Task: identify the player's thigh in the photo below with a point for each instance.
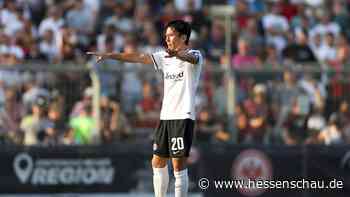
(160, 140)
(180, 137)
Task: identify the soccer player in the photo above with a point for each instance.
(181, 67)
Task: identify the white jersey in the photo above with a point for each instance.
(180, 83)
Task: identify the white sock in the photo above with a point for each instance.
(181, 183)
(160, 181)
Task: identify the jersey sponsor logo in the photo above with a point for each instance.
(174, 76)
(252, 164)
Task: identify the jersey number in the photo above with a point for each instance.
(177, 143)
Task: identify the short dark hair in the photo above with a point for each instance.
(182, 27)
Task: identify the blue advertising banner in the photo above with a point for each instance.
(70, 169)
(214, 171)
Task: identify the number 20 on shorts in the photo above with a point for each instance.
(177, 143)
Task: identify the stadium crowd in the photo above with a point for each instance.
(276, 41)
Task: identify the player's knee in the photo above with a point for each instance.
(158, 162)
(179, 164)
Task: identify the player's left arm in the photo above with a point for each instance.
(188, 57)
(185, 55)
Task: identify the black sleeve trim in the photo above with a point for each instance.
(154, 62)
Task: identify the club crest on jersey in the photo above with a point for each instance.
(174, 76)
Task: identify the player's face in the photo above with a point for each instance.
(173, 39)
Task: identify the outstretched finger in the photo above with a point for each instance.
(91, 53)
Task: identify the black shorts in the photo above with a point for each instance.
(173, 138)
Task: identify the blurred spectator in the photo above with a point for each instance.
(110, 36)
(299, 51)
(153, 44)
(168, 14)
(142, 15)
(241, 121)
(327, 52)
(110, 81)
(251, 33)
(68, 137)
(120, 20)
(11, 114)
(288, 9)
(53, 21)
(94, 7)
(275, 26)
(9, 78)
(82, 126)
(315, 124)
(284, 97)
(243, 59)
(81, 105)
(55, 133)
(68, 44)
(188, 5)
(256, 108)
(10, 52)
(302, 21)
(315, 3)
(131, 89)
(271, 57)
(325, 26)
(255, 6)
(243, 14)
(344, 113)
(114, 124)
(36, 10)
(294, 131)
(220, 97)
(341, 16)
(27, 39)
(150, 38)
(81, 19)
(10, 18)
(221, 134)
(202, 100)
(48, 47)
(106, 10)
(147, 109)
(316, 43)
(37, 124)
(32, 91)
(216, 42)
(347, 134)
(332, 134)
(315, 89)
(342, 52)
(206, 126)
(205, 93)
